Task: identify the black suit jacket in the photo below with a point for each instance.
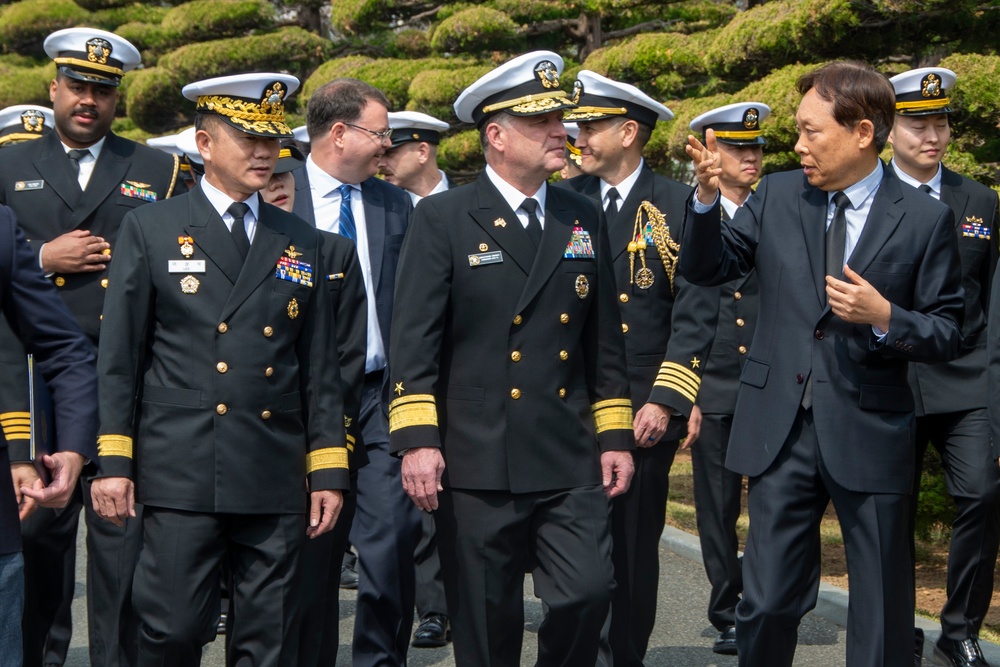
(961, 384)
(514, 365)
(41, 320)
(862, 404)
(224, 395)
(667, 339)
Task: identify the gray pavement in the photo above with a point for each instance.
(682, 636)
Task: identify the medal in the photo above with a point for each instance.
(644, 278)
(189, 284)
(293, 308)
(582, 286)
(187, 249)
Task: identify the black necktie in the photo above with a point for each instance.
(239, 210)
(836, 236)
(75, 155)
(925, 188)
(534, 228)
(611, 212)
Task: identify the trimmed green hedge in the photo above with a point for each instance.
(476, 30)
(356, 16)
(114, 17)
(25, 25)
(434, 91)
(154, 100)
(26, 85)
(201, 20)
(461, 152)
(332, 69)
(659, 63)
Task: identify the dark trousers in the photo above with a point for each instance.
(637, 519)
(318, 588)
(385, 533)
(781, 565)
(717, 492)
(112, 554)
(177, 584)
(429, 594)
(488, 539)
(49, 538)
(973, 480)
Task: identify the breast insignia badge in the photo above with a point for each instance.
(293, 308)
(190, 284)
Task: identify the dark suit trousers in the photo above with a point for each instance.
(781, 565)
(637, 519)
(318, 596)
(49, 538)
(177, 586)
(429, 584)
(717, 492)
(385, 533)
(112, 554)
(973, 480)
(488, 539)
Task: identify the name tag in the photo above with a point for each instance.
(186, 266)
(20, 186)
(481, 258)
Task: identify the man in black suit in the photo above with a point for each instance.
(41, 320)
(337, 192)
(951, 399)
(718, 491)
(666, 342)
(71, 189)
(510, 397)
(824, 410)
(221, 401)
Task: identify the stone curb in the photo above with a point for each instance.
(832, 602)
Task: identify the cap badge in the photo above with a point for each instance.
(33, 120)
(931, 86)
(273, 101)
(98, 50)
(577, 91)
(750, 118)
(547, 73)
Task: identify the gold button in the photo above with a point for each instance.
(737, 296)
(269, 372)
(740, 322)
(517, 319)
(624, 328)
(515, 356)
(564, 318)
(266, 414)
(562, 393)
(106, 251)
(743, 349)
(101, 318)
(623, 297)
(268, 332)
(104, 283)
(515, 393)
(222, 367)
(60, 281)
(221, 408)
(564, 355)
(223, 327)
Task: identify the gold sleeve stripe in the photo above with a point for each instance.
(405, 412)
(325, 459)
(114, 445)
(16, 425)
(5, 417)
(671, 378)
(414, 398)
(612, 414)
(350, 443)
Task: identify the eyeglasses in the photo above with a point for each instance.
(381, 136)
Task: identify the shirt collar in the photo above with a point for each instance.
(934, 183)
(322, 182)
(220, 201)
(95, 148)
(625, 187)
(863, 189)
(512, 195)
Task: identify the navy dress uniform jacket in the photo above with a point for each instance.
(40, 318)
(514, 365)
(862, 405)
(961, 384)
(235, 376)
(666, 337)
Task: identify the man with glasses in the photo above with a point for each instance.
(349, 132)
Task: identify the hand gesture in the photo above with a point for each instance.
(77, 251)
(706, 165)
(857, 301)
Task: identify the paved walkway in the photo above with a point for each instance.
(682, 636)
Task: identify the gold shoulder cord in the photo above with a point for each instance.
(665, 246)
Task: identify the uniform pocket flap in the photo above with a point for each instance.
(754, 373)
(187, 398)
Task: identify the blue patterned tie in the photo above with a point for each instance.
(347, 226)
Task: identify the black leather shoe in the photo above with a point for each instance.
(349, 572)
(725, 643)
(220, 625)
(918, 647)
(433, 632)
(964, 653)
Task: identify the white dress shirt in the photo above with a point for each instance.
(934, 183)
(623, 188)
(221, 202)
(515, 197)
(87, 162)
